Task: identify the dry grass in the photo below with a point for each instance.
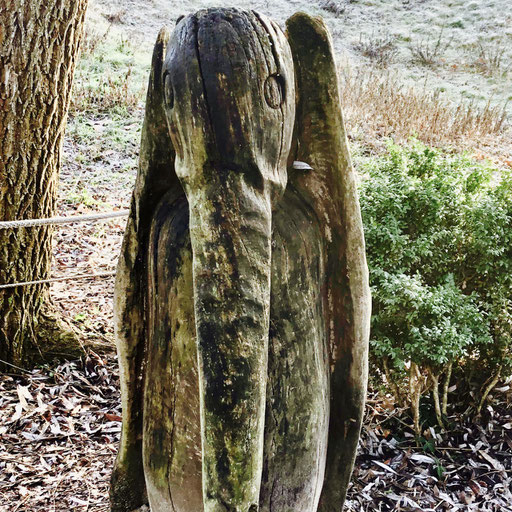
(377, 106)
(491, 59)
(428, 52)
(91, 40)
(380, 49)
(335, 7)
(109, 93)
(117, 16)
(108, 76)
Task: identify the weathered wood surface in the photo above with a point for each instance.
(242, 301)
(231, 153)
(155, 178)
(332, 193)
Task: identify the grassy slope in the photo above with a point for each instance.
(450, 51)
(373, 39)
(476, 33)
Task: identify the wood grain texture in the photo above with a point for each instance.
(232, 174)
(242, 295)
(331, 192)
(298, 381)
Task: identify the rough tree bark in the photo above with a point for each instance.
(39, 41)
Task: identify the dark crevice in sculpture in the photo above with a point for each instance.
(242, 300)
(198, 55)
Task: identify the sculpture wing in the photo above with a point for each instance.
(156, 176)
(330, 189)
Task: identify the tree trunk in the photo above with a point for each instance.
(446, 387)
(489, 385)
(39, 43)
(437, 402)
(415, 390)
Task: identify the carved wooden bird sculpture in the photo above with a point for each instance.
(242, 300)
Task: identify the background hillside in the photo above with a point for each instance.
(456, 50)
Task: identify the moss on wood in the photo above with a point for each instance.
(242, 295)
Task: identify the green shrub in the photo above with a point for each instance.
(438, 231)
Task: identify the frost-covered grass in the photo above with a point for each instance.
(452, 53)
(111, 74)
(377, 105)
(440, 70)
(454, 48)
(105, 118)
(473, 34)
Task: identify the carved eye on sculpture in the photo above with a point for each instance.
(168, 91)
(274, 90)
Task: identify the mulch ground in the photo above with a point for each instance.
(468, 467)
(59, 429)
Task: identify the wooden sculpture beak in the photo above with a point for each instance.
(230, 102)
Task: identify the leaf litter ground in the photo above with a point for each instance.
(59, 429)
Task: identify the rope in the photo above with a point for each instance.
(54, 279)
(61, 220)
